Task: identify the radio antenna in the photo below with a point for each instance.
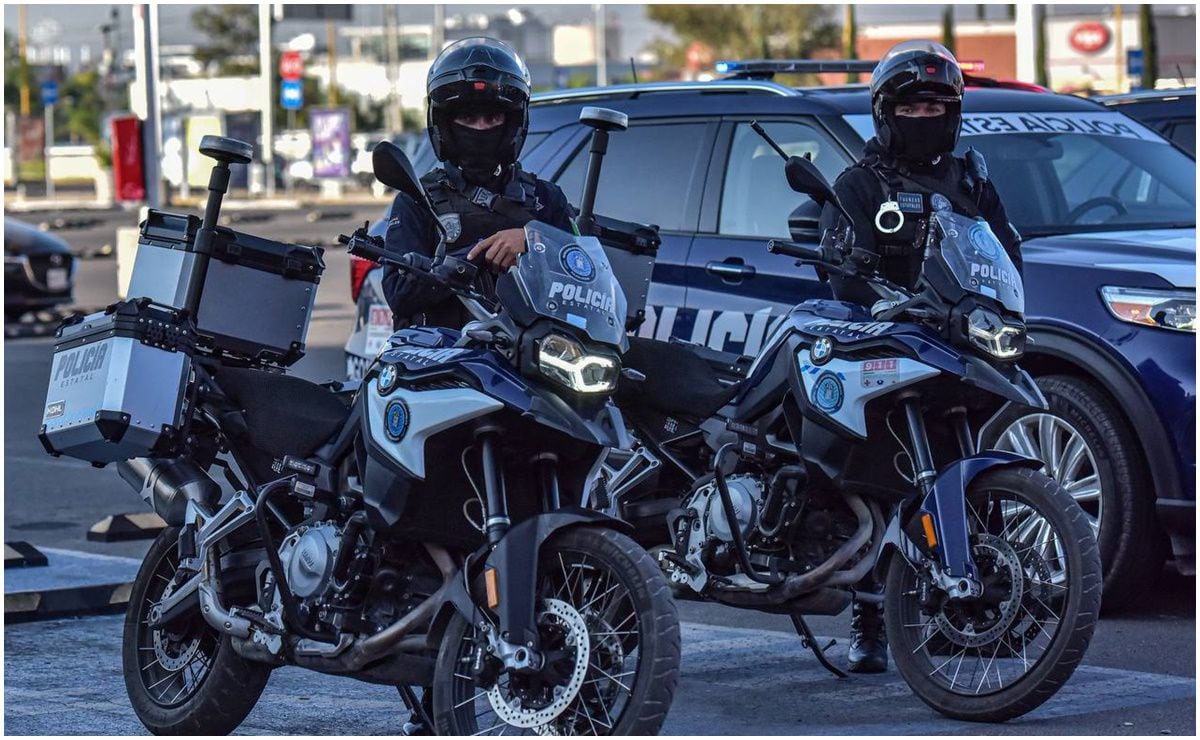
(633, 69)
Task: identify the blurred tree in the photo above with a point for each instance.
(365, 114)
(232, 31)
(980, 12)
(948, 28)
(16, 69)
(81, 110)
(1011, 12)
(1039, 46)
(746, 31)
(1149, 46)
(850, 40)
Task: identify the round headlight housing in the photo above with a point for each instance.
(990, 333)
(567, 362)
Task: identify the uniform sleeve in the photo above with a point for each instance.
(853, 189)
(557, 210)
(409, 229)
(993, 211)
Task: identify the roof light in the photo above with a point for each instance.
(974, 65)
(768, 67)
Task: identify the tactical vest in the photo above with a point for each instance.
(913, 195)
(473, 213)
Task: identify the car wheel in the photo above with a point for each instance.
(1089, 448)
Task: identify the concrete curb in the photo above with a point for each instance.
(71, 584)
(22, 555)
(143, 525)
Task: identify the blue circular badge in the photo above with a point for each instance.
(395, 420)
(981, 238)
(828, 393)
(578, 264)
(939, 202)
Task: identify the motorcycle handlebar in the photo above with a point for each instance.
(799, 251)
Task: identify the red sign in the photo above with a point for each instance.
(128, 179)
(1090, 37)
(291, 65)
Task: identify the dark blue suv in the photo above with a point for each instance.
(1106, 207)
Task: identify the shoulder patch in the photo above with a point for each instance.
(453, 225)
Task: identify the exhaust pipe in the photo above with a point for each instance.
(167, 485)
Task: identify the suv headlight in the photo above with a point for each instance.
(987, 331)
(1166, 309)
(565, 361)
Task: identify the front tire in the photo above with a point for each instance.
(186, 680)
(1030, 626)
(610, 589)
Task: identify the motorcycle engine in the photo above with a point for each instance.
(709, 536)
(307, 558)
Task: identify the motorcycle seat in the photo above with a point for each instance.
(678, 381)
(285, 415)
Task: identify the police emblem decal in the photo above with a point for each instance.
(939, 202)
(395, 420)
(822, 350)
(453, 225)
(984, 242)
(828, 393)
(578, 264)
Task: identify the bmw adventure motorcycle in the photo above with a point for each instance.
(847, 447)
(417, 529)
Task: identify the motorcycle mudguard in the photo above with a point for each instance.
(947, 503)
(515, 560)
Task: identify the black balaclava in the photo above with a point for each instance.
(923, 139)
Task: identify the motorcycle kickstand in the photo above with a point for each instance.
(809, 640)
(419, 721)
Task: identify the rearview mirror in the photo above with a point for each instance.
(804, 177)
(393, 169)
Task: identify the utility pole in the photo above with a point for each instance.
(1118, 21)
(331, 42)
(48, 112)
(22, 32)
(145, 42)
(391, 42)
(850, 39)
(601, 46)
(438, 39)
(266, 76)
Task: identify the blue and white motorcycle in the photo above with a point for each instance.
(418, 529)
(846, 448)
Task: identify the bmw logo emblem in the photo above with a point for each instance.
(828, 393)
(822, 350)
(395, 420)
(578, 264)
(387, 378)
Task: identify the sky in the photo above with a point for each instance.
(77, 25)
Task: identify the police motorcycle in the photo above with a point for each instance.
(846, 447)
(416, 529)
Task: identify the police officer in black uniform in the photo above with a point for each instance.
(478, 99)
(907, 171)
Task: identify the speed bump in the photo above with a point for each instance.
(143, 525)
(22, 554)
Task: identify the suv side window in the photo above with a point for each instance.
(756, 199)
(647, 173)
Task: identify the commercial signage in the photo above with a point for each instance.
(330, 128)
(129, 180)
(1090, 37)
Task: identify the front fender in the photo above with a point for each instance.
(514, 559)
(947, 504)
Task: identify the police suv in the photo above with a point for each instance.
(1105, 205)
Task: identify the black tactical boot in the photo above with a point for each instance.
(868, 641)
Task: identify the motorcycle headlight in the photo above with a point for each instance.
(565, 361)
(988, 332)
(1166, 309)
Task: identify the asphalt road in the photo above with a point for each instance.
(743, 672)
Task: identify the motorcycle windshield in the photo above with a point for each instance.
(978, 261)
(568, 278)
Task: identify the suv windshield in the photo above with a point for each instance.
(1060, 173)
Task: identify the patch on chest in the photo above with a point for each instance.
(453, 225)
(910, 202)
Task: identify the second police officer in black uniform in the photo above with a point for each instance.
(906, 172)
(478, 99)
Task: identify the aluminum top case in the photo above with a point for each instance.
(117, 383)
(258, 294)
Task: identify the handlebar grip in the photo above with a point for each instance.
(791, 249)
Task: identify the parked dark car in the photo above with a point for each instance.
(1171, 113)
(39, 270)
(1106, 207)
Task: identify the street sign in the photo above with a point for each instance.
(49, 93)
(291, 95)
(1134, 63)
(291, 65)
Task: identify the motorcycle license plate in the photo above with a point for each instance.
(379, 328)
(56, 278)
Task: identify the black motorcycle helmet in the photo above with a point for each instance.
(914, 71)
(477, 74)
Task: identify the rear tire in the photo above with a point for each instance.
(1133, 547)
(221, 694)
(1068, 610)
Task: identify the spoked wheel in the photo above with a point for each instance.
(1002, 654)
(609, 635)
(183, 678)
